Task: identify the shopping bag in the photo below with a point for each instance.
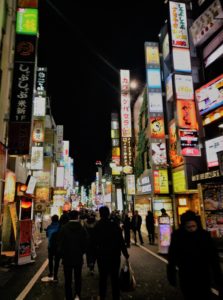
(127, 278)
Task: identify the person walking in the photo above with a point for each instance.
(51, 233)
(193, 252)
(72, 246)
(150, 226)
(136, 226)
(89, 225)
(127, 228)
(108, 245)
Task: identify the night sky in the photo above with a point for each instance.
(84, 48)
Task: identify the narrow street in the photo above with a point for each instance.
(149, 270)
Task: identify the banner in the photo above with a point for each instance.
(126, 126)
(178, 24)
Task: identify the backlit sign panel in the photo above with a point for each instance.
(27, 21)
(210, 96)
(178, 23)
(189, 142)
(155, 102)
(159, 153)
(161, 185)
(181, 60)
(186, 114)
(125, 104)
(184, 87)
(157, 127)
(37, 158)
(179, 181)
(212, 147)
(39, 107)
(154, 78)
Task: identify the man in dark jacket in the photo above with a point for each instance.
(193, 252)
(72, 246)
(150, 226)
(109, 244)
(136, 226)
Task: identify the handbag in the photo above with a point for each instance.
(127, 279)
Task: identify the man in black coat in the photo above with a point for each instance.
(150, 226)
(136, 226)
(193, 252)
(72, 246)
(108, 245)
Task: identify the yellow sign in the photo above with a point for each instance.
(179, 181)
(152, 55)
(161, 185)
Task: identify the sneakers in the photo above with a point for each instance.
(76, 297)
(47, 279)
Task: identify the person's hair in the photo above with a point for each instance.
(190, 215)
(74, 215)
(55, 218)
(104, 212)
(163, 210)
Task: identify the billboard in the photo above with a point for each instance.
(207, 23)
(37, 158)
(155, 102)
(189, 142)
(39, 107)
(27, 21)
(186, 114)
(181, 60)
(22, 92)
(179, 181)
(152, 54)
(178, 24)
(125, 104)
(154, 78)
(161, 184)
(159, 153)
(184, 87)
(175, 159)
(212, 147)
(210, 95)
(157, 127)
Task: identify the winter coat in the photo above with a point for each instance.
(150, 222)
(196, 257)
(72, 243)
(136, 226)
(51, 229)
(108, 241)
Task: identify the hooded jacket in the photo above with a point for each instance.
(72, 243)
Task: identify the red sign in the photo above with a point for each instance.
(25, 238)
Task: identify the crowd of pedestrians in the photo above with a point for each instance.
(103, 236)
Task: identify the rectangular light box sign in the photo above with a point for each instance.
(27, 21)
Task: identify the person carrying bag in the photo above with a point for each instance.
(127, 279)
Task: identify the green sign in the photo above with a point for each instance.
(27, 21)
(179, 182)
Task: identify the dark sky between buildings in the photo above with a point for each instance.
(84, 48)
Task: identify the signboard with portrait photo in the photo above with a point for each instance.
(157, 127)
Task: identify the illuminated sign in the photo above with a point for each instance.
(39, 107)
(189, 142)
(178, 23)
(38, 131)
(152, 54)
(175, 159)
(210, 95)
(215, 55)
(127, 152)
(130, 180)
(181, 60)
(161, 185)
(166, 46)
(159, 153)
(28, 3)
(153, 78)
(207, 23)
(184, 87)
(37, 158)
(10, 186)
(65, 149)
(41, 81)
(212, 147)
(27, 21)
(186, 114)
(179, 181)
(125, 104)
(157, 127)
(155, 102)
(213, 116)
(169, 87)
(60, 177)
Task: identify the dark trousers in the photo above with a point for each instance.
(151, 235)
(54, 261)
(68, 271)
(127, 237)
(140, 235)
(109, 268)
